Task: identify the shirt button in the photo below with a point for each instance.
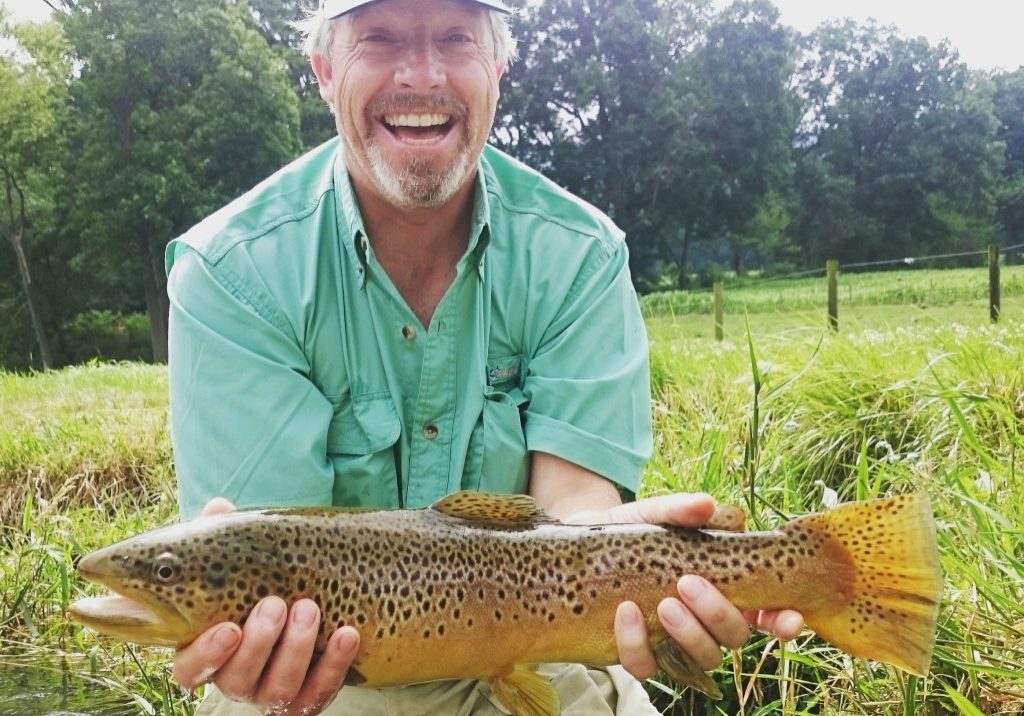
(430, 431)
(408, 332)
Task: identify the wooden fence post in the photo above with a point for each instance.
(832, 274)
(994, 307)
(719, 310)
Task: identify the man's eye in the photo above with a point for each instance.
(376, 38)
(458, 37)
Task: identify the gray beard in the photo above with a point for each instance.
(416, 184)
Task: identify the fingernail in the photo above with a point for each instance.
(304, 614)
(347, 642)
(791, 624)
(225, 637)
(270, 611)
(630, 615)
(672, 612)
(691, 586)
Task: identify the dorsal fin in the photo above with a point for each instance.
(509, 510)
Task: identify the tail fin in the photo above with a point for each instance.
(893, 603)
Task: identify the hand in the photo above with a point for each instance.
(267, 663)
(701, 620)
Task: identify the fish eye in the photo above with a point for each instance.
(166, 568)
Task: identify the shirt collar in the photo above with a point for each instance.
(350, 221)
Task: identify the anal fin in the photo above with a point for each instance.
(524, 692)
(681, 668)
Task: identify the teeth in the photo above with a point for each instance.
(416, 120)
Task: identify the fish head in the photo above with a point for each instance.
(174, 583)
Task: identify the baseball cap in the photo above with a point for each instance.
(337, 8)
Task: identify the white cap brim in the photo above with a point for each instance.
(337, 8)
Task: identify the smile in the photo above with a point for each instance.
(418, 128)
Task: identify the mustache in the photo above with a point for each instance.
(394, 102)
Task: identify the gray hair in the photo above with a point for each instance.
(318, 35)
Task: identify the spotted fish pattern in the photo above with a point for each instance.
(479, 586)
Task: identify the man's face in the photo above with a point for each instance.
(413, 84)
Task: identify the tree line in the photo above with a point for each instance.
(720, 141)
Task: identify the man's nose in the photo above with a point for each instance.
(422, 67)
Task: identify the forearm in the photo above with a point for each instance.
(566, 491)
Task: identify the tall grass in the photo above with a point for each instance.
(935, 409)
(939, 410)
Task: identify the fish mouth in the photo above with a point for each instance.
(131, 614)
(128, 619)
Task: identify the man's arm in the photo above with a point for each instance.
(701, 620)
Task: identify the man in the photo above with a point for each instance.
(400, 314)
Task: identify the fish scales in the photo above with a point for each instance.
(478, 585)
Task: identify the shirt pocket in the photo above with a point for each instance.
(360, 445)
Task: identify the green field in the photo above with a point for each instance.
(926, 397)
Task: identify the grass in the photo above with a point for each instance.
(938, 409)
(782, 426)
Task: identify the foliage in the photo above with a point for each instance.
(179, 107)
(934, 409)
(108, 336)
(720, 140)
(34, 75)
(896, 148)
(924, 409)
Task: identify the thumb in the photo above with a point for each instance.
(217, 506)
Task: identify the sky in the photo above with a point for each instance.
(988, 33)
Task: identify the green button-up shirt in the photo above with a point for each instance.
(299, 375)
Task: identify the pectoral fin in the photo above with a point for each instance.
(524, 692)
(680, 667)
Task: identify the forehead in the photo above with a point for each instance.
(418, 12)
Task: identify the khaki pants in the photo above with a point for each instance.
(582, 692)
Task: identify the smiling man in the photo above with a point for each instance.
(402, 313)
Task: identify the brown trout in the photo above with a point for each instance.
(486, 586)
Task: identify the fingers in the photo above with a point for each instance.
(785, 624)
(684, 509)
(631, 639)
(325, 679)
(283, 677)
(702, 622)
(240, 676)
(218, 506)
(267, 662)
(691, 636)
(723, 621)
(196, 664)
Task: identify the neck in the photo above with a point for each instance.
(418, 248)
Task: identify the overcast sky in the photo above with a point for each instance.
(988, 33)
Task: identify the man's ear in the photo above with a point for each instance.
(324, 75)
(499, 68)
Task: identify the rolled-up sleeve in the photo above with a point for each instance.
(227, 346)
(589, 380)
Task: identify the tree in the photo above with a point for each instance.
(180, 106)
(742, 128)
(676, 124)
(33, 96)
(580, 104)
(1008, 99)
(905, 132)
